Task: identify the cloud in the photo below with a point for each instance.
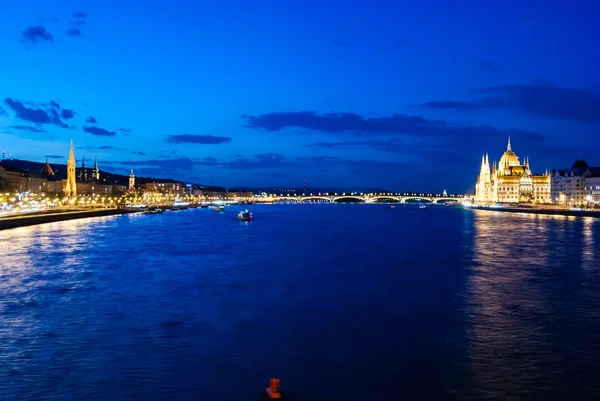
(3, 112)
(27, 128)
(198, 139)
(79, 22)
(55, 157)
(67, 114)
(73, 32)
(339, 43)
(35, 34)
(138, 153)
(98, 131)
(182, 163)
(271, 161)
(90, 120)
(103, 147)
(37, 115)
(384, 146)
(486, 66)
(80, 14)
(357, 125)
(449, 104)
(542, 99)
(125, 129)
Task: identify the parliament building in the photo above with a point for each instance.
(509, 181)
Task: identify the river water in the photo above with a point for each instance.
(341, 302)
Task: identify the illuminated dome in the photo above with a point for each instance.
(509, 158)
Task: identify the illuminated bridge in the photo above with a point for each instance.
(366, 198)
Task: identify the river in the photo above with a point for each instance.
(341, 302)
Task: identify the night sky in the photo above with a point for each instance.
(404, 95)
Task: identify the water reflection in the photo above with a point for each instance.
(377, 303)
(525, 281)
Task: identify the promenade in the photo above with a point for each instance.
(544, 211)
(50, 216)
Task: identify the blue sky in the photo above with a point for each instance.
(400, 95)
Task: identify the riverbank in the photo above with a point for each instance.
(54, 216)
(552, 212)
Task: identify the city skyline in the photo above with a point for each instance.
(394, 96)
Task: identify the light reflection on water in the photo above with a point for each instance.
(344, 302)
(532, 322)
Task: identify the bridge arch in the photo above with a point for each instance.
(358, 198)
(316, 197)
(417, 198)
(378, 197)
(438, 200)
(286, 199)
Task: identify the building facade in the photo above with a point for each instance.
(509, 181)
(593, 190)
(576, 187)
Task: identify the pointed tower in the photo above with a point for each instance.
(71, 186)
(484, 181)
(509, 147)
(96, 172)
(131, 181)
(47, 170)
(83, 174)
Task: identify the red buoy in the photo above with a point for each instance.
(273, 389)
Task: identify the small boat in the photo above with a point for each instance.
(244, 215)
(421, 206)
(217, 208)
(153, 211)
(393, 206)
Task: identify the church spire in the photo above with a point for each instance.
(96, 171)
(71, 186)
(508, 147)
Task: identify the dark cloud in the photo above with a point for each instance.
(276, 174)
(67, 114)
(384, 146)
(138, 153)
(125, 129)
(3, 112)
(35, 34)
(73, 32)
(542, 99)
(27, 128)
(210, 161)
(37, 115)
(90, 120)
(55, 19)
(103, 147)
(79, 22)
(55, 157)
(357, 125)
(98, 131)
(486, 66)
(80, 14)
(339, 43)
(449, 104)
(182, 163)
(271, 161)
(198, 139)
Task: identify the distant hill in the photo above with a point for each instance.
(309, 190)
(60, 171)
